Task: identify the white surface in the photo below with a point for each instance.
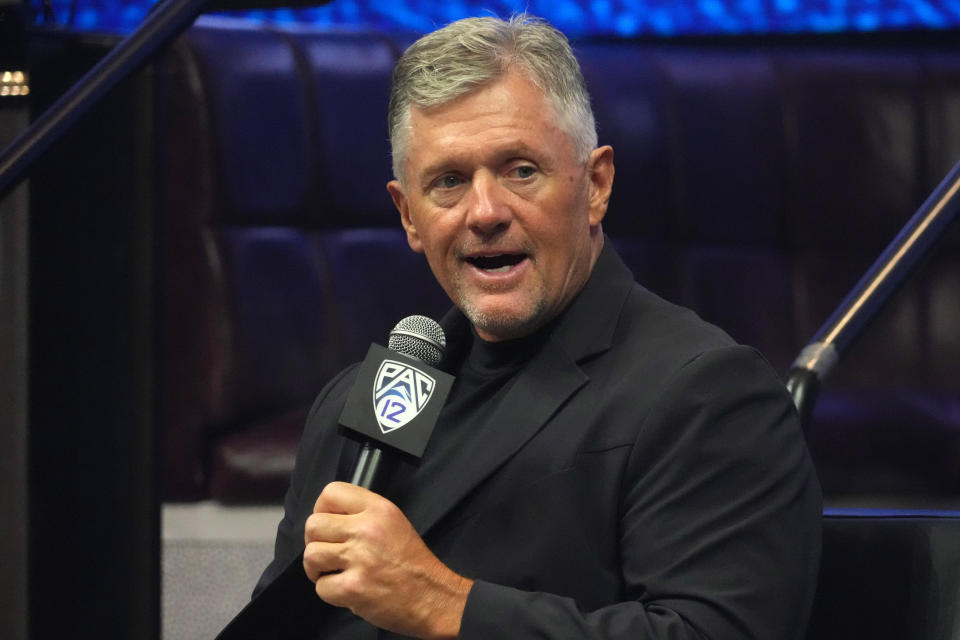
(214, 521)
(212, 557)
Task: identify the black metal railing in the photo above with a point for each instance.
(915, 241)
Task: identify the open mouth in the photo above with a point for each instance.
(499, 263)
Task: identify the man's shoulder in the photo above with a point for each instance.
(658, 340)
(655, 325)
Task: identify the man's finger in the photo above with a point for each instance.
(322, 558)
(345, 589)
(326, 527)
(342, 497)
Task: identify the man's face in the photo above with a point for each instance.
(508, 217)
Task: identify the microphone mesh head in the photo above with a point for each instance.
(419, 337)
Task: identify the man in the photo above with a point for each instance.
(607, 465)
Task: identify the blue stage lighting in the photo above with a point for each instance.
(617, 18)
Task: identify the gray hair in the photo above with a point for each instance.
(469, 53)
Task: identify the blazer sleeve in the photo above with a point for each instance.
(319, 438)
(719, 526)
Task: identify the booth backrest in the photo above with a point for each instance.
(283, 255)
(888, 576)
(757, 185)
(754, 185)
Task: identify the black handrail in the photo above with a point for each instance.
(166, 21)
(901, 257)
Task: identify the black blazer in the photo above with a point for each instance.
(645, 477)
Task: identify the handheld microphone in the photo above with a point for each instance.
(394, 404)
(407, 395)
(419, 337)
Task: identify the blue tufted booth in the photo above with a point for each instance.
(753, 184)
(283, 255)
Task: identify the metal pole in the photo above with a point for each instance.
(898, 261)
(168, 19)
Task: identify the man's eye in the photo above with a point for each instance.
(449, 181)
(524, 171)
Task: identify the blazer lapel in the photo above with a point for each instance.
(540, 389)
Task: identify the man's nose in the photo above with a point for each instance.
(488, 211)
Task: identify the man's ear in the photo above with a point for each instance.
(600, 169)
(403, 206)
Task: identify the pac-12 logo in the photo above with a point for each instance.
(400, 392)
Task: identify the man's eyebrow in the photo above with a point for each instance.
(451, 163)
(437, 168)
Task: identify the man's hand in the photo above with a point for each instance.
(362, 553)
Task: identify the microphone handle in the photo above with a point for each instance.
(368, 466)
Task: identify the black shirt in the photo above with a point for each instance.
(483, 378)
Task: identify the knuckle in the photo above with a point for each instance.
(383, 510)
(309, 563)
(352, 585)
(366, 531)
(360, 527)
(311, 555)
(325, 494)
(313, 528)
